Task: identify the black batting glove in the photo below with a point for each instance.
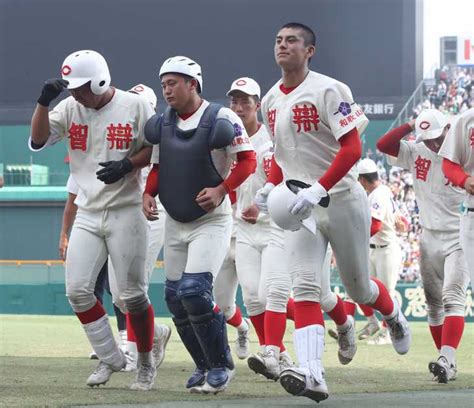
(114, 170)
(51, 90)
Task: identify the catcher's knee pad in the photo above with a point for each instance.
(80, 300)
(137, 304)
(195, 293)
(173, 302)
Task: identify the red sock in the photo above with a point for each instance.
(453, 328)
(290, 309)
(236, 319)
(258, 322)
(436, 333)
(308, 313)
(338, 313)
(91, 315)
(143, 324)
(384, 303)
(130, 333)
(368, 311)
(216, 308)
(275, 326)
(350, 308)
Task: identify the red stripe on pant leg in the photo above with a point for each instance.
(91, 315)
(368, 311)
(290, 309)
(275, 326)
(307, 314)
(436, 333)
(384, 303)
(143, 324)
(350, 308)
(236, 319)
(130, 333)
(453, 328)
(338, 313)
(258, 322)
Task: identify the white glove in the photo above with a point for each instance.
(306, 200)
(262, 196)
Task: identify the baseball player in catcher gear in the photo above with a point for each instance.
(442, 262)
(385, 254)
(197, 141)
(316, 124)
(458, 166)
(104, 130)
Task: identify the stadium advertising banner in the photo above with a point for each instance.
(378, 108)
(465, 51)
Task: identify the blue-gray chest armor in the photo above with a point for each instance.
(186, 165)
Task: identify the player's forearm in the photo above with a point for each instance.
(69, 215)
(348, 155)
(454, 173)
(142, 158)
(390, 142)
(40, 125)
(152, 181)
(246, 165)
(276, 175)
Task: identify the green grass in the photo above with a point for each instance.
(43, 361)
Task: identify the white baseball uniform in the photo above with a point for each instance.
(442, 264)
(109, 219)
(385, 254)
(458, 147)
(201, 245)
(259, 253)
(307, 124)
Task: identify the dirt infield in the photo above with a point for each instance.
(445, 399)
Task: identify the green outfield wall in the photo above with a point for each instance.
(38, 289)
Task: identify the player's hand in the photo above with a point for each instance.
(250, 214)
(306, 200)
(63, 244)
(210, 198)
(401, 224)
(262, 196)
(114, 170)
(469, 185)
(150, 208)
(51, 90)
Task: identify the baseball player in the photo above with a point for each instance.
(442, 263)
(316, 124)
(197, 141)
(104, 130)
(458, 166)
(385, 254)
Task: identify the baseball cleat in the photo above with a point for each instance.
(131, 362)
(368, 330)
(266, 364)
(285, 361)
(442, 371)
(196, 381)
(103, 372)
(347, 343)
(160, 341)
(93, 356)
(299, 382)
(400, 332)
(242, 344)
(217, 380)
(146, 373)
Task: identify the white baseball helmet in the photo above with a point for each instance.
(146, 92)
(278, 203)
(83, 66)
(182, 65)
(367, 166)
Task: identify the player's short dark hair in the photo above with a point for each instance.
(308, 34)
(370, 177)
